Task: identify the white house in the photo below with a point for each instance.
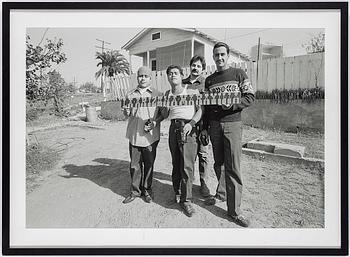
(157, 48)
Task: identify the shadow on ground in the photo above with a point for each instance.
(197, 198)
(114, 174)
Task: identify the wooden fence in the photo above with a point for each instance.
(306, 71)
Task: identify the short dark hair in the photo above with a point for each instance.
(174, 67)
(220, 44)
(198, 58)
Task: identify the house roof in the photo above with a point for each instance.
(193, 30)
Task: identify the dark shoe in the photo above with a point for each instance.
(188, 209)
(129, 199)
(220, 198)
(204, 190)
(148, 199)
(213, 200)
(210, 201)
(240, 220)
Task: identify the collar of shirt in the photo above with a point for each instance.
(187, 80)
(143, 90)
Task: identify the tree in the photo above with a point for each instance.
(71, 88)
(56, 90)
(88, 87)
(315, 44)
(112, 63)
(38, 61)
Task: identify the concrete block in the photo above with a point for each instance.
(277, 148)
(262, 155)
(262, 146)
(290, 150)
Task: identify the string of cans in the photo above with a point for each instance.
(196, 99)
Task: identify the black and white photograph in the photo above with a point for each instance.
(166, 129)
(81, 140)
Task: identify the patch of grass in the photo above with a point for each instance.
(91, 98)
(39, 159)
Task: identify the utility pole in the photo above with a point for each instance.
(257, 65)
(103, 45)
(74, 82)
(103, 42)
(258, 57)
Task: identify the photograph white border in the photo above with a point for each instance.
(327, 237)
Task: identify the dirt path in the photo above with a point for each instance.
(87, 187)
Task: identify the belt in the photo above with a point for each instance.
(174, 121)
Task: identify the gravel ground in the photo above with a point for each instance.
(89, 182)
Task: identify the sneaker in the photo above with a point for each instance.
(240, 220)
(204, 190)
(188, 209)
(129, 199)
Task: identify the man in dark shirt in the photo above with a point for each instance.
(225, 127)
(196, 81)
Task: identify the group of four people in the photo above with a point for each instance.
(189, 130)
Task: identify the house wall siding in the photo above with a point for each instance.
(168, 37)
(208, 50)
(177, 54)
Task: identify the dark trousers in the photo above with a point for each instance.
(141, 168)
(183, 158)
(203, 152)
(226, 139)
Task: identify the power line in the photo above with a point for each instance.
(43, 36)
(250, 33)
(103, 42)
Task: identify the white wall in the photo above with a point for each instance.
(168, 37)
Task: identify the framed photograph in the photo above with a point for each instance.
(100, 155)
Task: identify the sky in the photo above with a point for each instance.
(81, 44)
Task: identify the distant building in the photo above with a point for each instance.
(160, 47)
(267, 51)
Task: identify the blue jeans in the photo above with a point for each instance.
(226, 139)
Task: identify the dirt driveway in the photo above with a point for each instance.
(87, 186)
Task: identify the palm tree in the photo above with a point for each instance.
(111, 62)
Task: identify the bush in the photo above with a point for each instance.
(40, 158)
(33, 113)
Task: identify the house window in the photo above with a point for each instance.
(156, 36)
(153, 65)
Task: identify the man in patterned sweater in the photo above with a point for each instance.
(225, 128)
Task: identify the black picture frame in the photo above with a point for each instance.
(9, 6)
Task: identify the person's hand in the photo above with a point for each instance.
(203, 133)
(150, 125)
(203, 137)
(187, 129)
